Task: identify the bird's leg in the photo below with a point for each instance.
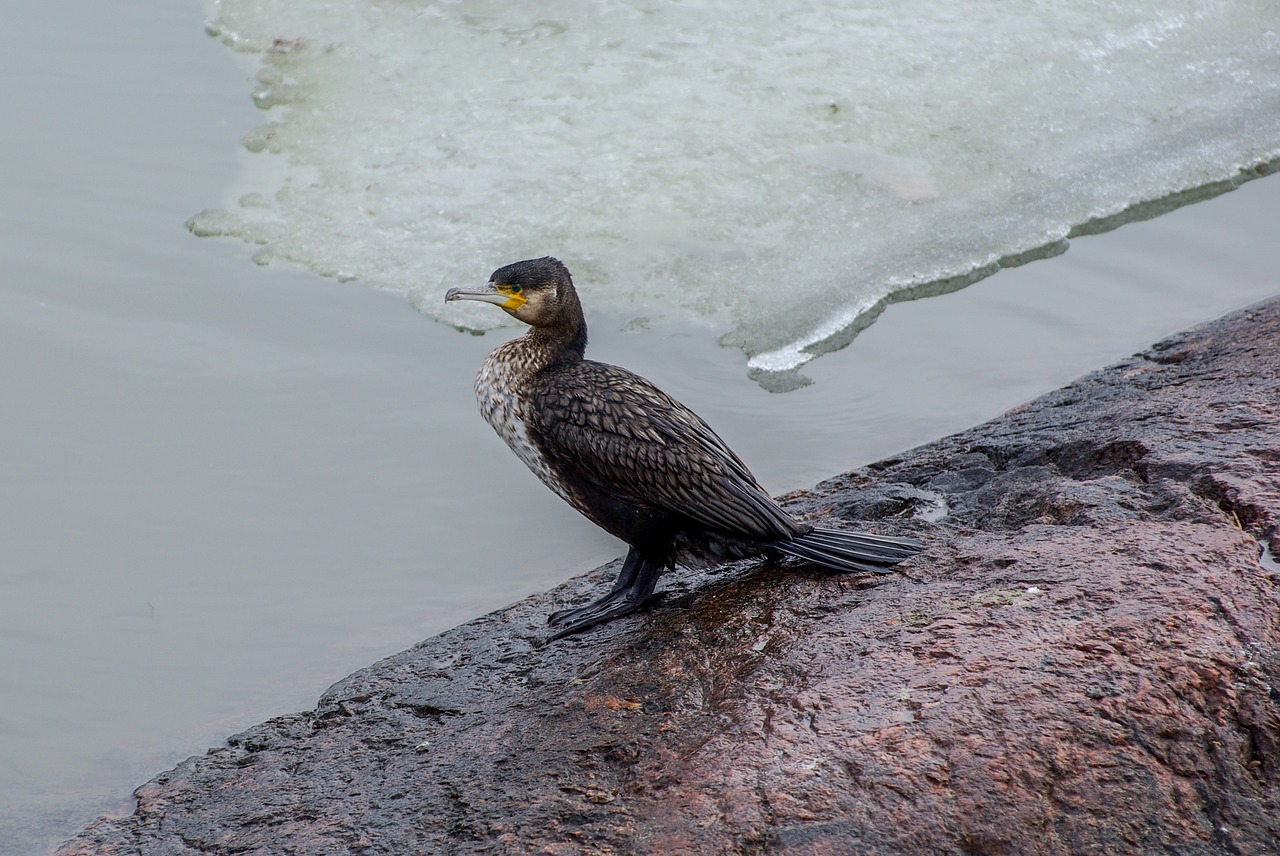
(626, 578)
(635, 583)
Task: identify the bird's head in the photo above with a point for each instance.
(538, 292)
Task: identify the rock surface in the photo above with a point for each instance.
(1087, 659)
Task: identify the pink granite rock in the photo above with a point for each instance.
(1086, 659)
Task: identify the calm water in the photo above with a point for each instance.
(223, 487)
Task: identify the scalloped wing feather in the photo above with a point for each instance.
(617, 431)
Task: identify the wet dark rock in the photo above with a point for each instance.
(1086, 659)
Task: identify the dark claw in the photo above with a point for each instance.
(635, 584)
(611, 606)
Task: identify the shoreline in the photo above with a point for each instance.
(272, 396)
(1095, 531)
(228, 485)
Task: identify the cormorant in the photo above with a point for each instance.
(635, 461)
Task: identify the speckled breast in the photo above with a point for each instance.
(507, 411)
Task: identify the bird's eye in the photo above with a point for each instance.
(514, 289)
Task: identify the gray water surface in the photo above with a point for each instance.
(223, 487)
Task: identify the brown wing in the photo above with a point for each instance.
(614, 430)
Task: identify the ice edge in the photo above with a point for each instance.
(777, 370)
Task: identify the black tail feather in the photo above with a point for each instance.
(850, 552)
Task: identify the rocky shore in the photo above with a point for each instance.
(1086, 659)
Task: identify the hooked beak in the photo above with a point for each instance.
(487, 293)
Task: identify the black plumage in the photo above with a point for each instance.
(631, 458)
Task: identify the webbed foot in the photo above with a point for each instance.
(613, 605)
(634, 585)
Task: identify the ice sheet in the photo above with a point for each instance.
(774, 170)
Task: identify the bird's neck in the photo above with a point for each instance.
(564, 341)
(540, 347)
